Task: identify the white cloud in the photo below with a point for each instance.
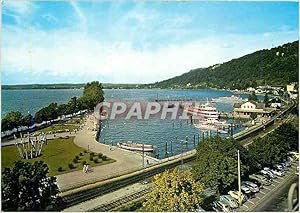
(18, 7)
(76, 56)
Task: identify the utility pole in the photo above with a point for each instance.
(181, 154)
(239, 179)
(143, 157)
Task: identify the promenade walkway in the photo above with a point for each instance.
(126, 161)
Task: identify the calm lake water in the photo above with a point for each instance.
(160, 133)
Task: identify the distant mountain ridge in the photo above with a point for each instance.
(66, 86)
(276, 66)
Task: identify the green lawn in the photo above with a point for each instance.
(76, 120)
(58, 127)
(57, 153)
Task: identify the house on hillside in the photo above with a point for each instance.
(276, 103)
(245, 109)
(292, 90)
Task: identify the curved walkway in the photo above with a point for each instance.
(126, 161)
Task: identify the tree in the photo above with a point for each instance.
(12, 120)
(174, 190)
(274, 147)
(216, 163)
(287, 136)
(27, 187)
(27, 120)
(263, 153)
(92, 94)
(47, 113)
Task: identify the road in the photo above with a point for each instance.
(273, 197)
(277, 201)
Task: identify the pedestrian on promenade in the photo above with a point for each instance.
(87, 168)
(83, 169)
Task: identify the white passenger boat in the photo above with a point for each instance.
(203, 111)
(136, 146)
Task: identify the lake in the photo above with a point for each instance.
(158, 132)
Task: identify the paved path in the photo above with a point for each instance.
(126, 161)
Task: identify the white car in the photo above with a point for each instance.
(277, 172)
(220, 206)
(229, 200)
(268, 173)
(279, 167)
(252, 186)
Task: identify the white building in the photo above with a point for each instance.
(245, 109)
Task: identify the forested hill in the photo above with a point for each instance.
(278, 66)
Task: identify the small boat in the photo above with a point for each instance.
(210, 127)
(136, 146)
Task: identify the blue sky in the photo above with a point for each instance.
(131, 41)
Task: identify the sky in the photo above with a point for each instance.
(134, 41)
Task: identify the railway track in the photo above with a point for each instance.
(121, 201)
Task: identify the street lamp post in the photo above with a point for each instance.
(239, 179)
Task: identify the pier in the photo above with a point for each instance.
(181, 100)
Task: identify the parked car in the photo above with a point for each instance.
(260, 179)
(279, 167)
(269, 174)
(290, 159)
(246, 191)
(285, 166)
(277, 172)
(295, 155)
(229, 200)
(287, 162)
(235, 195)
(260, 185)
(220, 206)
(252, 186)
(200, 209)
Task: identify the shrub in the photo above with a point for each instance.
(75, 160)
(81, 154)
(71, 166)
(77, 157)
(104, 158)
(100, 155)
(91, 158)
(60, 169)
(85, 151)
(92, 154)
(84, 162)
(96, 160)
